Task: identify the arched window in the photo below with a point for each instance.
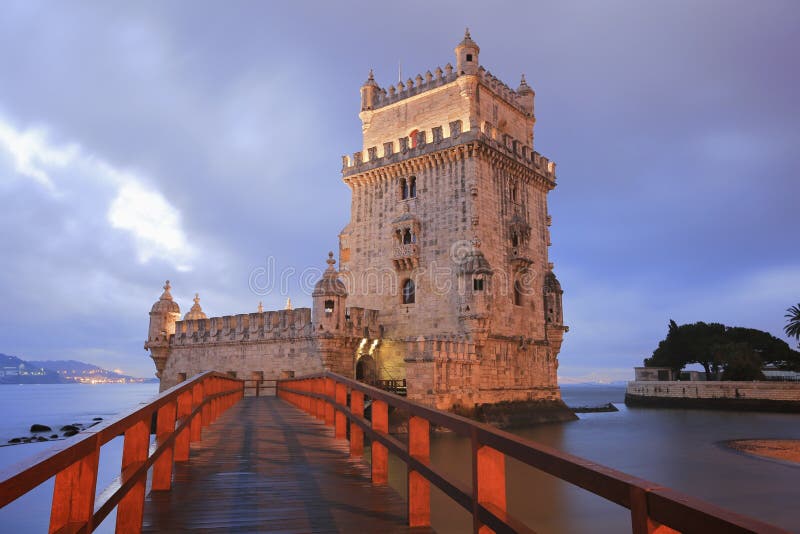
(403, 188)
(517, 293)
(399, 236)
(477, 284)
(513, 193)
(412, 187)
(413, 136)
(328, 307)
(407, 237)
(514, 239)
(409, 293)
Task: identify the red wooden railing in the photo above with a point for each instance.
(181, 413)
(340, 402)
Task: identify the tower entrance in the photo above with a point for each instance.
(366, 370)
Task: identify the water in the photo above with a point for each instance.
(56, 405)
(677, 448)
(680, 449)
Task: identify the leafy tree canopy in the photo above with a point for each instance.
(739, 353)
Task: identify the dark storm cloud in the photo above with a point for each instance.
(674, 125)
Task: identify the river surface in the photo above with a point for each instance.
(56, 405)
(676, 448)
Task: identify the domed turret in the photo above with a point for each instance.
(369, 93)
(330, 296)
(552, 299)
(196, 312)
(467, 55)
(163, 315)
(526, 95)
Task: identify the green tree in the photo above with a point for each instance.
(722, 350)
(741, 362)
(792, 327)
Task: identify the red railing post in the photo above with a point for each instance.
(490, 480)
(183, 438)
(341, 418)
(419, 489)
(319, 404)
(165, 426)
(134, 454)
(641, 523)
(73, 495)
(329, 391)
(197, 399)
(380, 454)
(205, 412)
(356, 433)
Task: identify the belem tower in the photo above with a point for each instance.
(443, 278)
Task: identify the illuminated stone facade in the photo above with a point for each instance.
(444, 277)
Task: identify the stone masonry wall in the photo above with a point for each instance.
(775, 391)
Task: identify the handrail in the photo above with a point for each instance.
(180, 414)
(340, 402)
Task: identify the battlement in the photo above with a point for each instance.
(419, 84)
(442, 348)
(443, 137)
(268, 325)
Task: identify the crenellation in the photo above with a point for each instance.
(513, 148)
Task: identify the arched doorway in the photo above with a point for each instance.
(366, 369)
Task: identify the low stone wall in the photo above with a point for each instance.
(749, 396)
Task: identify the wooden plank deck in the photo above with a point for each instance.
(265, 466)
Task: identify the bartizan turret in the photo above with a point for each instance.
(330, 298)
(369, 93)
(467, 56)
(553, 311)
(163, 315)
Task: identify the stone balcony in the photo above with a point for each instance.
(405, 257)
(519, 257)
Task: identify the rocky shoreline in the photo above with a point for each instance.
(40, 433)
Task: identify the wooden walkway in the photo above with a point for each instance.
(265, 466)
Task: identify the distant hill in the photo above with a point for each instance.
(14, 370)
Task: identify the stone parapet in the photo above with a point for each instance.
(421, 84)
(265, 326)
(365, 161)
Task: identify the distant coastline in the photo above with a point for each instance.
(16, 371)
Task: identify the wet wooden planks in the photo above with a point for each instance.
(265, 466)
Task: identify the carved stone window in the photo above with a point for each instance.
(408, 188)
(328, 307)
(477, 284)
(517, 293)
(409, 292)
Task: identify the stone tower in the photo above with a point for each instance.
(448, 236)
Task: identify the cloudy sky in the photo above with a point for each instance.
(195, 141)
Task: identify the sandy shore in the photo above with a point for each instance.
(779, 449)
